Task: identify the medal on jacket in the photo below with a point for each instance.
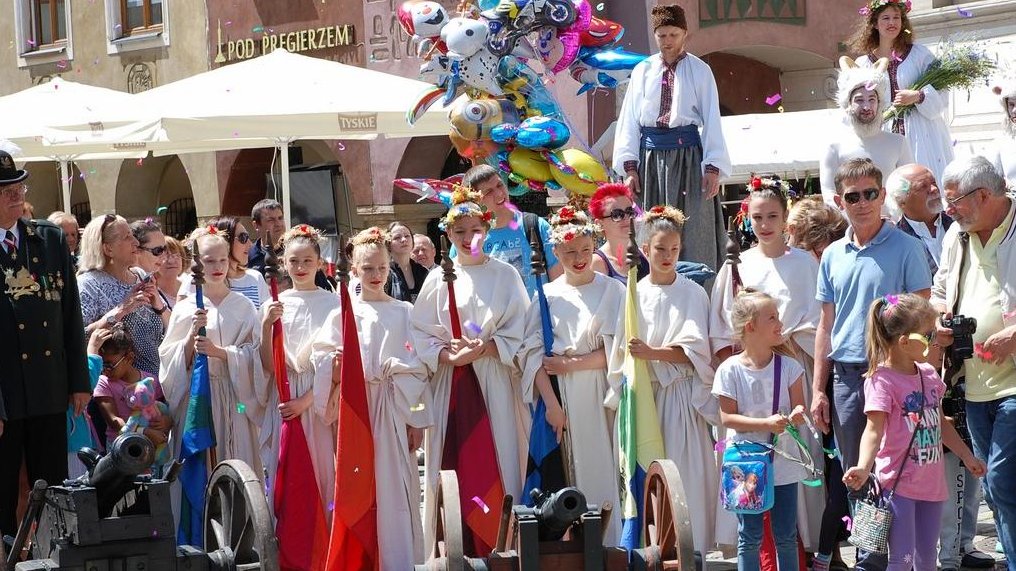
(20, 284)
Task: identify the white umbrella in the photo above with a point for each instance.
(281, 97)
(33, 118)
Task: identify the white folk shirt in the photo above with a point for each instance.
(1003, 156)
(932, 243)
(695, 102)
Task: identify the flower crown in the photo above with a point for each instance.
(465, 202)
(372, 235)
(665, 212)
(773, 183)
(568, 223)
(876, 5)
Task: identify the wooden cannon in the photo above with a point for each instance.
(666, 531)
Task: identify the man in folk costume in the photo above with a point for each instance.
(42, 355)
(863, 93)
(1003, 155)
(658, 144)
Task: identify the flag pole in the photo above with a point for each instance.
(198, 279)
(733, 256)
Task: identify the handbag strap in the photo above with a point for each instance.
(777, 375)
(913, 436)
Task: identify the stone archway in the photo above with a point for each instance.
(46, 189)
(748, 78)
(157, 186)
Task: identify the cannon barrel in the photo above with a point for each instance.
(555, 512)
(129, 455)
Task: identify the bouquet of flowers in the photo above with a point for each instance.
(957, 66)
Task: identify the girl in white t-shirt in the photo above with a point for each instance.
(745, 385)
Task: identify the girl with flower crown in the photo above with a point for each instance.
(789, 276)
(397, 394)
(302, 311)
(586, 309)
(885, 32)
(492, 303)
(673, 339)
(230, 342)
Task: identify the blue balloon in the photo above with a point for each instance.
(542, 133)
(610, 59)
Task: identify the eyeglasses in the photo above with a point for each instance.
(14, 190)
(869, 195)
(107, 367)
(954, 200)
(619, 214)
(156, 251)
(243, 237)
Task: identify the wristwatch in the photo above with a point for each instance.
(160, 311)
(110, 321)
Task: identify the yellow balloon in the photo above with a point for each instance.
(592, 172)
(529, 164)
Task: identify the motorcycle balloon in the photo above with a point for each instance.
(570, 36)
(587, 172)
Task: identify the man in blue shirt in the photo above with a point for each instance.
(507, 239)
(874, 259)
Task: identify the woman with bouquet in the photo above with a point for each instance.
(918, 114)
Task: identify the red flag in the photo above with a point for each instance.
(300, 525)
(353, 543)
(469, 450)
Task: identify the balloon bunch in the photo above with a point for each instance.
(508, 117)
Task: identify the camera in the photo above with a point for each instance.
(963, 329)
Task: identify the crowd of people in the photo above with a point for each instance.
(866, 338)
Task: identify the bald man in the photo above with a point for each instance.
(424, 251)
(916, 201)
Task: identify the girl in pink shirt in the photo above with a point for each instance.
(905, 432)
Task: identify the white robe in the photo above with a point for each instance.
(398, 397)
(1003, 155)
(303, 314)
(677, 315)
(490, 296)
(887, 150)
(236, 412)
(791, 279)
(585, 319)
(695, 102)
(925, 126)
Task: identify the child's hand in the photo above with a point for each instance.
(336, 367)
(97, 338)
(205, 346)
(273, 314)
(163, 423)
(557, 364)
(777, 423)
(976, 466)
(640, 349)
(415, 437)
(293, 409)
(855, 478)
(557, 419)
(155, 436)
(797, 415)
(199, 320)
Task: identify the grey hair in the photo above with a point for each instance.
(58, 217)
(973, 172)
(897, 188)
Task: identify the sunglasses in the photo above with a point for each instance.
(243, 237)
(869, 195)
(619, 214)
(107, 367)
(925, 338)
(156, 251)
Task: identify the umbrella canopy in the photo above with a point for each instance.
(285, 96)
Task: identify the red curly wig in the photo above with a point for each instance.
(604, 192)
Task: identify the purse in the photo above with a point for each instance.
(747, 485)
(873, 516)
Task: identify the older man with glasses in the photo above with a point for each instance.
(42, 352)
(977, 279)
(874, 259)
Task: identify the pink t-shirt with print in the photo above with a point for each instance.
(899, 396)
(121, 392)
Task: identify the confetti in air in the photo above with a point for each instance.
(341, 146)
(849, 522)
(964, 13)
(773, 99)
(599, 7)
(408, 346)
(980, 352)
(474, 245)
(472, 327)
(258, 29)
(1009, 314)
(514, 225)
(479, 502)
(240, 408)
(417, 407)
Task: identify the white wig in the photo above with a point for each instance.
(853, 76)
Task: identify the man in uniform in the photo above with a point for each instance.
(42, 356)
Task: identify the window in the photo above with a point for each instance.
(140, 16)
(49, 23)
(42, 32)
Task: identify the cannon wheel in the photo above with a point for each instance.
(667, 524)
(238, 527)
(447, 548)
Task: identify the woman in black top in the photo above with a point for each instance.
(406, 276)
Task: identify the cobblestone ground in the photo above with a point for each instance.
(984, 540)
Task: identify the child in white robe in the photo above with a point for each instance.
(789, 276)
(585, 311)
(492, 304)
(230, 342)
(397, 395)
(674, 341)
(303, 310)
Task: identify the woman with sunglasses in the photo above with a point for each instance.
(113, 290)
(613, 209)
(152, 254)
(246, 282)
